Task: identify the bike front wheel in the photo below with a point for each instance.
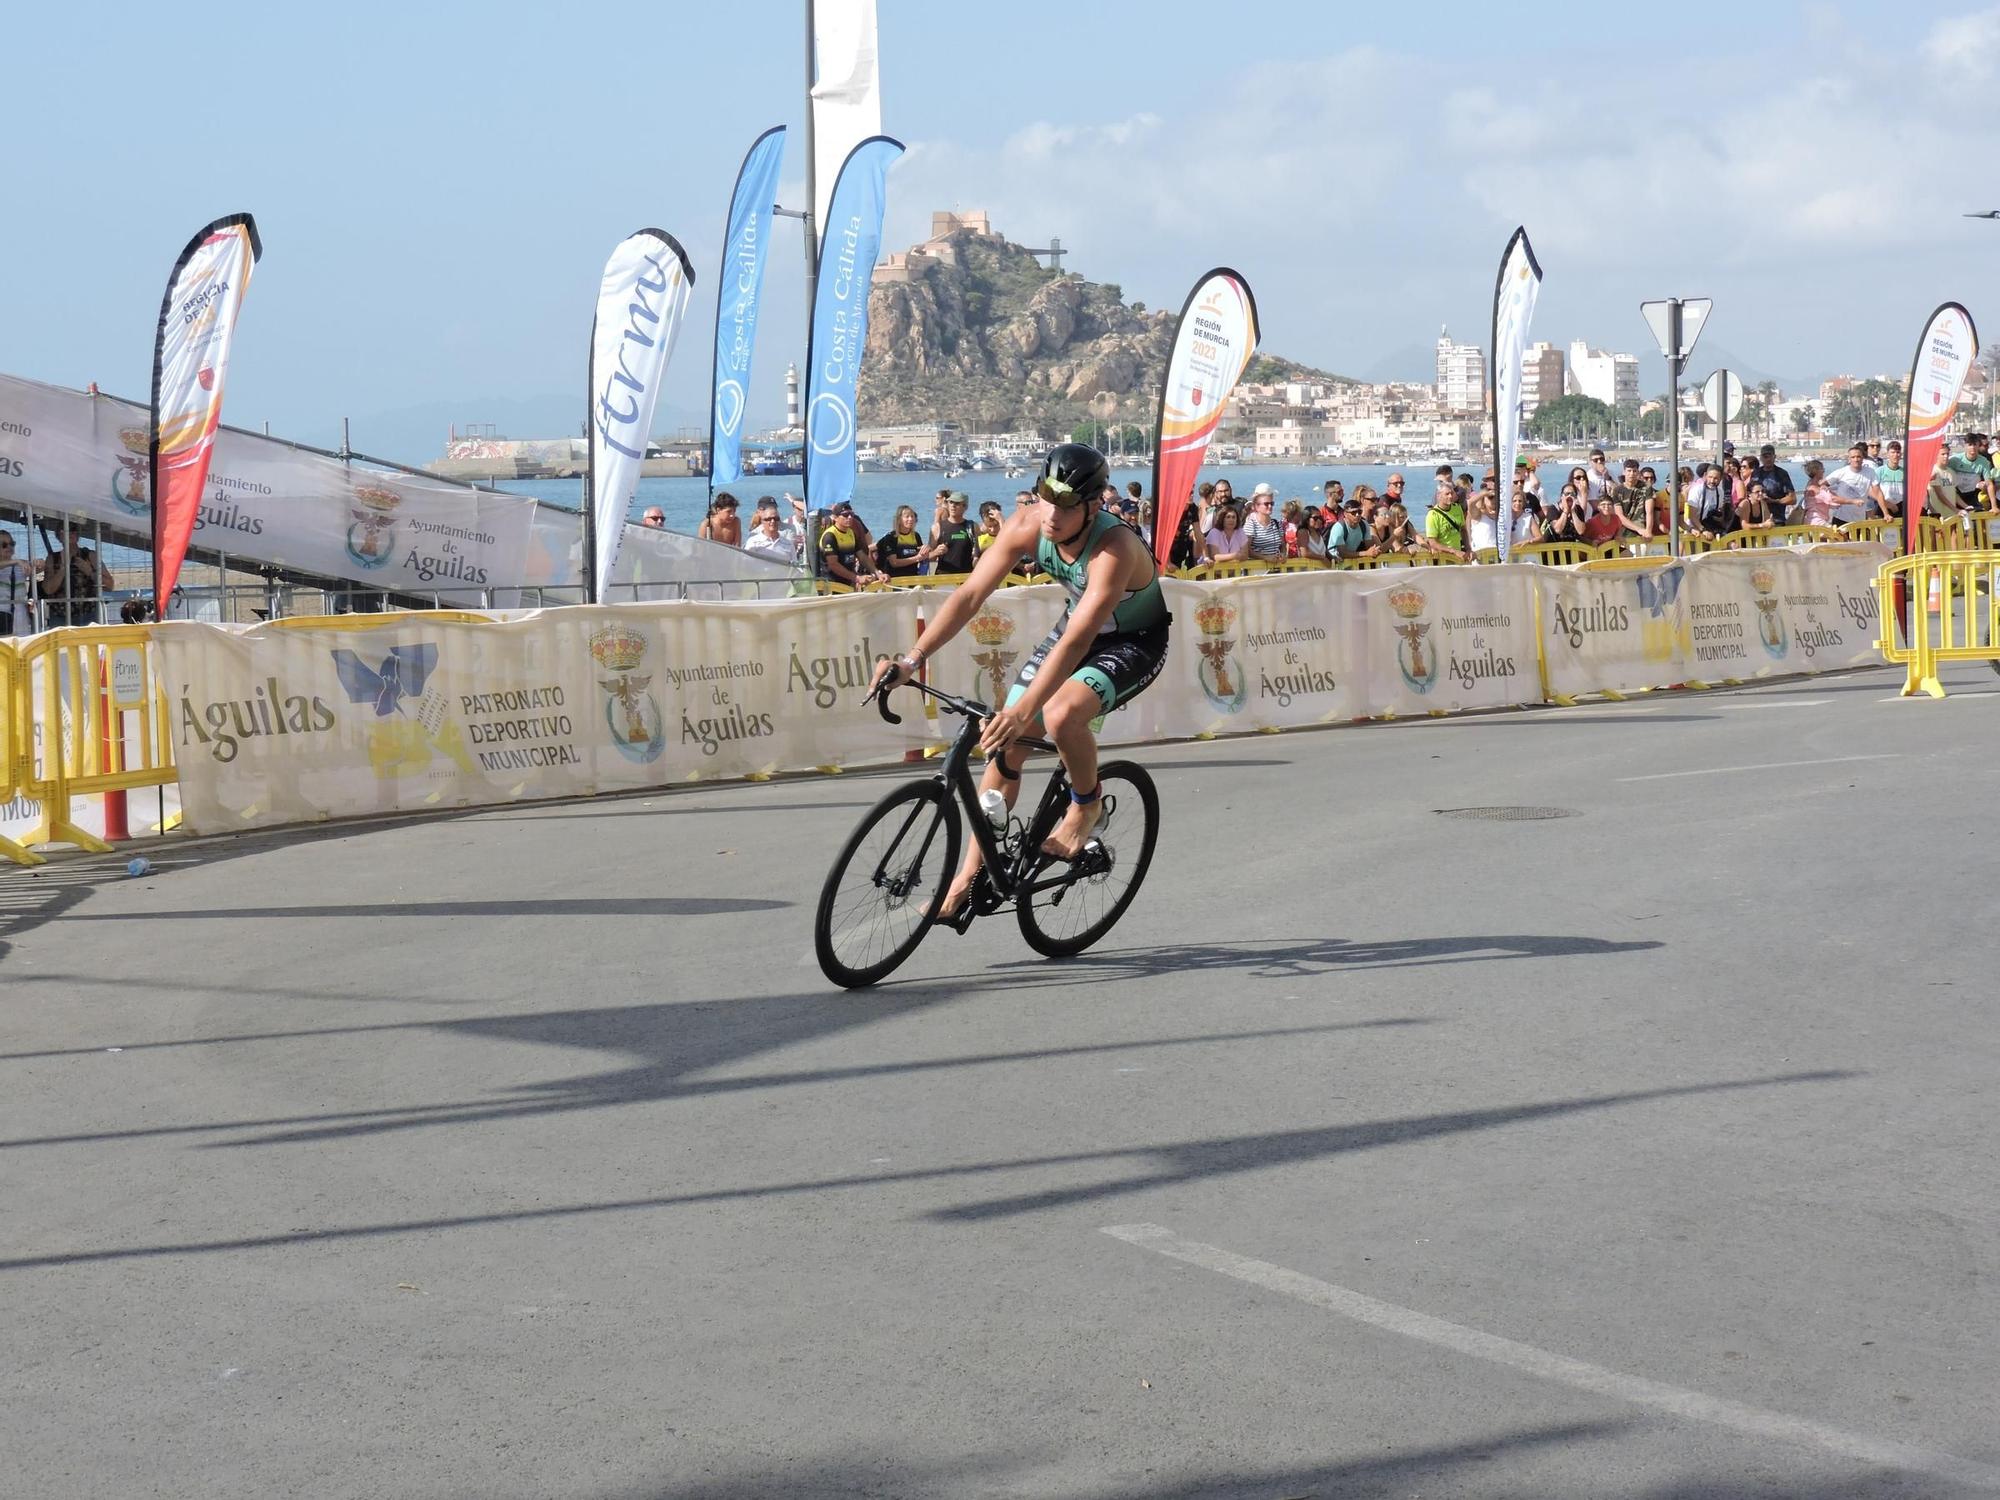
(879, 897)
(1064, 908)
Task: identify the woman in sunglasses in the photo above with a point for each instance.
(17, 589)
(1106, 649)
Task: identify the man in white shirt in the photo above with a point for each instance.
(769, 536)
(1598, 476)
(1854, 483)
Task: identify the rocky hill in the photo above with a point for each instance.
(981, 333)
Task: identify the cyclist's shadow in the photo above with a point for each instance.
(1287, 959)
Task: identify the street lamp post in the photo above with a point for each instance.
(1676, 324)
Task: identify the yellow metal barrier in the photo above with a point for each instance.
(1558, 554)
(1949, 620)
(1783, 536)
(16, 724)
(105, 722)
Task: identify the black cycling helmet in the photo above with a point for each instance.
(1072, 474)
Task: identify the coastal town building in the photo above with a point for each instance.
(1461, 374)
(1610, 378)
(1542, 373)
(1296, 440)
(913, 438)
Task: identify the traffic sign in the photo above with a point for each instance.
(1660, 318)
(1722, 396)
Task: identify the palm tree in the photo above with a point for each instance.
(1767, 391)
(1846, 415)
(1802, 420)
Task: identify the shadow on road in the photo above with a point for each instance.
(595, 906)
(1475, 1470)
(893, 1476)
(1157, 1165)
(1280, 959)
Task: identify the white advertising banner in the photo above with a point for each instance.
(1773, 611)
(1717, 617)
(640, 301)
(403, 713)
(1446, 639)
(1619, 631)
(1250, 653)
(277, 725)
(263, 500)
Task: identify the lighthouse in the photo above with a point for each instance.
(791, 395)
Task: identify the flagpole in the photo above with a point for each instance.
(590, 580)
(812, 180)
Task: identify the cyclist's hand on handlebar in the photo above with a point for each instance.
(890, 672)
(1000, 731)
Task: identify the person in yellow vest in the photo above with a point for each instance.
(841, 551)
(902, 553)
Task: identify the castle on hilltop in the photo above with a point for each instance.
(907, 265)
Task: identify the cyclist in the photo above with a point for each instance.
(1108, 646)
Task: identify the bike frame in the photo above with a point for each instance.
(1013, 880)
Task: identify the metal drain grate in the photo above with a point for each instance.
(1507, 814)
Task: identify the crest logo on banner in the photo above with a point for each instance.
(1663, 622)
(1770, 615)
(128, 480)
(410, 726)
(371, 539)
(991, 630)
(630, 711)
(1215, 618)
(1420, 670)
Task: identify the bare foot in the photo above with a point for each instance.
(955, 896)
(1069, 836)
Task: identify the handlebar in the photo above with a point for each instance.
(879, 696)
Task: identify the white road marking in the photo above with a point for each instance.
(1777, 703)
(1688, 1405)
(1950, 694)
(1771, 765)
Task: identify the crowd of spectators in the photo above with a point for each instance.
(1598, 502)
(65, 586)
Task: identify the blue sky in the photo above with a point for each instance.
(438, 185)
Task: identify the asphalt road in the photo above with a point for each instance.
(1645, 1152)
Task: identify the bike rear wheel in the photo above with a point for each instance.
(1070, 914)
(890, 877)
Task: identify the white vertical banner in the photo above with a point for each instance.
(846, 92)
(640, 301)
(1514, 296)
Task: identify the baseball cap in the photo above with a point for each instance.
(1263, 489)
(843, 508)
